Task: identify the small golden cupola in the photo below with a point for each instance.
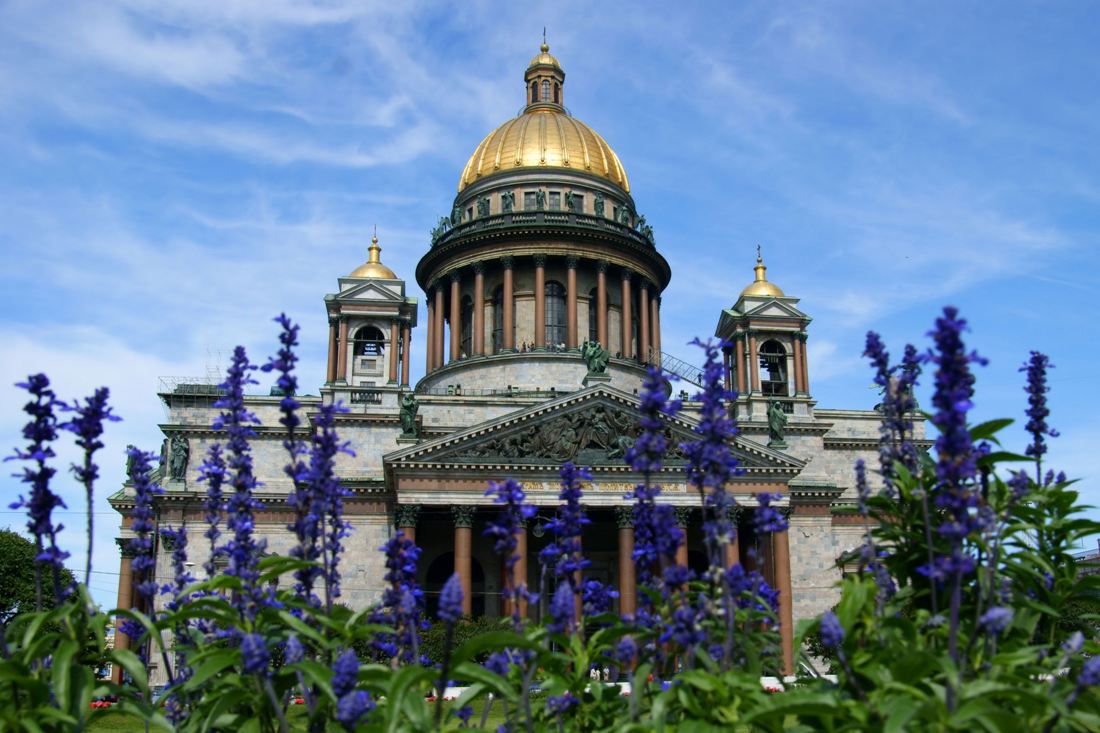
(373, 267)
(760, 287)
(545, 80)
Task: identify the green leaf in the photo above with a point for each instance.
(986, 430)
(132, 664)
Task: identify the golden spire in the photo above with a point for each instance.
(760, 286)
(373, 267)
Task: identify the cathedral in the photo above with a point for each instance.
(543, 292)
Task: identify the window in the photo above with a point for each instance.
(467, 331)
(557, 93)
(555, 314)
(593, 315)
(555, 200)
(534, 92)
(369, 341)
(498, 319)
(529, 202)
(545, 90)
(773, 369)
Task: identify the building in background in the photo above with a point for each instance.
(543, 289)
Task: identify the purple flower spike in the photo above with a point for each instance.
(255, 659)
(561, 608)
(996, 620)
(563, 555)
(450, 600)
(345, 673)
(39, 432)
(832, 633)
(351, 708)
(767, 518)
(143, 522)
(1037, 411)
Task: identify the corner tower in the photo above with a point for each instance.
(767, 359)
(542, 251)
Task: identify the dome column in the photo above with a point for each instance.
(342, 352)
(430, 350)
(478, 340)
(655, 324)
(456, 316)
(643, 321)
(331, 372)
(463, 543)
(571, 303)
(540, 301)
(406, 334)
(754, 367)
(438, 346)
(395, 351)
(601, 304)
(509, 305)
(805, 368)
(628, 325)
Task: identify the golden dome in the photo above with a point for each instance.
(373, 267)
(761, 288)
(544, 138)
(543, 58)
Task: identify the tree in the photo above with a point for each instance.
(17, 591)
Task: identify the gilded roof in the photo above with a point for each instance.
(761, 287)
(544, 138)
(373, 267)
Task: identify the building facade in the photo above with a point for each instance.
(543, 296)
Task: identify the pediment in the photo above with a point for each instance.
(593, 427)
(774, 308)
(369, 290)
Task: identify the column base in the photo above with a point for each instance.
(590, 379)
(407, 440)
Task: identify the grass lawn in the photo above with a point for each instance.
(117, 722)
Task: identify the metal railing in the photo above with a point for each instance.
(679, 367)
(528, 218)
(366, 397)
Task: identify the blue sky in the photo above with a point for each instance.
(176, 173)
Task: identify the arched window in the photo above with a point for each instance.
(545, 90)
(593, 316)
(369, 341)
(555, 314)
(498, 319)
(557, 94)
(467, 331)
(773, 369)
(534, 92)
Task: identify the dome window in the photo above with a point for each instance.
(534, 92)
(555, 314)
(545, 90)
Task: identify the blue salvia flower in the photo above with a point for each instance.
(685, 627)
(352, 707)
(561, 608)
(625, 651)
(327, 498)
(1090, 673)
(255, 658)
(243, 549)
(767, 518)
(996, 619)
(748, 589)
(656, 534)
(1037, 411)
(563, 554)
(450, 600)
(143, 522)
(597, 597)
(295, 650)
(212, 472)
(181, 576)
(898, 404)
(88, 427)
(307, 523)
(710, 462)
(464, 714)
(345, 673)
(39, 432)
(832, 633)
(401, 601)
(503, 529)
(561, 704)
(863, 492)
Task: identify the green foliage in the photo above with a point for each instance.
(433, 639)
(17, 587)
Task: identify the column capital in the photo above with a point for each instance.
(508, 262)
(126, 547)
(734, 514)
(540, 260)
(406, 515)
(463, 515)
(456, 276)
(643, 284)
(785, 511)
(624, 515)
(627, 273)
(683, 515)
(602, 265)
(572, 261)
(479, 267)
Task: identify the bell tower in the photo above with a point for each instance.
(370, 328)
(766, 361)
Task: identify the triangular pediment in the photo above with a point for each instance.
(593, 427)
(774, 308)
(371, 290)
